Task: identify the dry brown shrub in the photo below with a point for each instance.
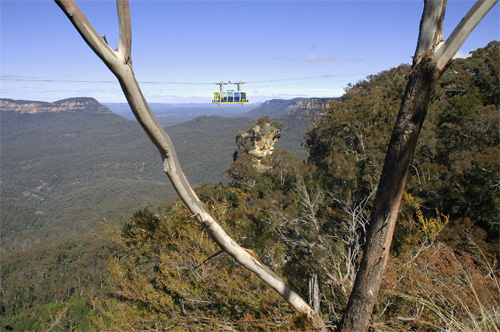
(440, 289)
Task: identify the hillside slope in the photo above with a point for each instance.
(68, 168)
(68, 164)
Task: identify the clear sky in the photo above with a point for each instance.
(282, 49)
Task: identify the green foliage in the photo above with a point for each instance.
(265, 119)
(413, 228)
(348, 144)
(36, 285)
(171, 275)
(456, 168)
(68, 315)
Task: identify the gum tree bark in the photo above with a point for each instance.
(119, 62)
(432, 56)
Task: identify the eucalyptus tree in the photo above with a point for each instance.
(432, 56)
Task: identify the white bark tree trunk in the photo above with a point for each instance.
(432, 56)
(120, 63)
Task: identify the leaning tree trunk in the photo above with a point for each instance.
(431, 58)
(390, 190)
(120, 63)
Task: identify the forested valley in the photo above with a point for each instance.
(306, 220)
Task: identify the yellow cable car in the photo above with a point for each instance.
(230, 96)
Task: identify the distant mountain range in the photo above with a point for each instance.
(69, 164)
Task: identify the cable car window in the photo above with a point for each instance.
(237, 97)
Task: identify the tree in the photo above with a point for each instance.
(119, 62)
(432, 57)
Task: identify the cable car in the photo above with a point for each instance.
(230, 96)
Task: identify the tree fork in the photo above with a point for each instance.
(432, 56)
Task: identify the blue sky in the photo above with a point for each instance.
(282, 49)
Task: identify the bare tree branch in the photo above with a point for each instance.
(125, 44)
(87, 31)
(119, 62)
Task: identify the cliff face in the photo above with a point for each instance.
(299, 103)
(279, 107)
(66, 105)
(258, 141)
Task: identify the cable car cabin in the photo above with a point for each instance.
(230, 97)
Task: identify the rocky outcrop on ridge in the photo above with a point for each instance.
(258, 141)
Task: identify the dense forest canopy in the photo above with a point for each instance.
(455, 168)
(307, 222)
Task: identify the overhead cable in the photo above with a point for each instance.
(178, 83)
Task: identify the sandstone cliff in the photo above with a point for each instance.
(279, 107)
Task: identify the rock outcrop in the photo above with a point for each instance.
(258, 141)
